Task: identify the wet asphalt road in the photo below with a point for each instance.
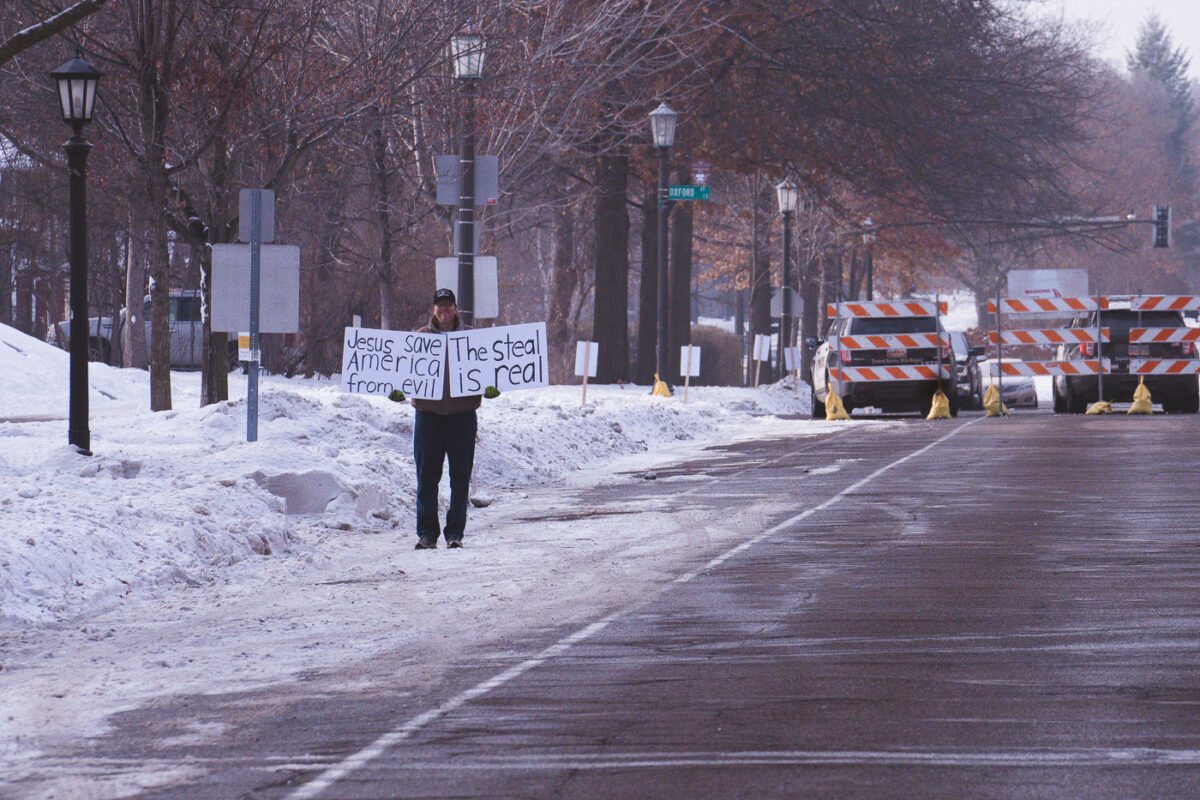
(1011, 612)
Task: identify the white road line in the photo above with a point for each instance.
(1095, 756)
(360, 759)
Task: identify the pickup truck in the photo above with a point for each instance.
(104, 341)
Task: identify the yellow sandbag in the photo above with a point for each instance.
(833, 406)
(940, 407)
(991, 403)
(660, 387)
(1141, 399)
(1099, 407)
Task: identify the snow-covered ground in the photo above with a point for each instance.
(180, 558)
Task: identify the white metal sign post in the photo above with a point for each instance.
(586, 363)
(689, 362)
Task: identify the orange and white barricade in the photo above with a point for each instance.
(1015, 369)
(1164, 366)
(1159, 335)
(1047, 305)
(894, 308)
(1159, 302)
(900, 341)
(905, 341)
(898, 372)
(1048, 336)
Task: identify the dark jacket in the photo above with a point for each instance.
(448, 404)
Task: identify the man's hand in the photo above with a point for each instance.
(491, 392)
(396, 396)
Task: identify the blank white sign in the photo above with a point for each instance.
(586, 351)
(691, 370)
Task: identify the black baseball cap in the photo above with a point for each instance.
(444, 296)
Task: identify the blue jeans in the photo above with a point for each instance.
(436, 438)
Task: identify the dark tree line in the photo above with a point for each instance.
(945, 122)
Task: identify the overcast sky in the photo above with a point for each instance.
(1118, 22)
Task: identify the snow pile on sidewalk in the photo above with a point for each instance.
(179, 496)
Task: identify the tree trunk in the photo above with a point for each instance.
(563, 280)
(133, 335)
(7, 268)
(611, 323)
(23, 313)
(383, 210)
(648, 294)
(680, 302)
(810, 322)
(158, 256)
(214, 356)
(760, 287)
(831, 284)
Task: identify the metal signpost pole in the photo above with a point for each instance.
(1099, 348)
(466, 211)
(999, 382)
(252, 375)
(663, 211)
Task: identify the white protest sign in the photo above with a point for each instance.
(589, 352)
(791, 360)
(689, 361)
(378, 362)
(510, 357)
(762, 347)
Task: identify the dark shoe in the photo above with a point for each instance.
(426, 544)
(454, 543)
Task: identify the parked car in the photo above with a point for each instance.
(887, 396)
(186, 327)
(967, 380)
(1176, 393)
(1016, 391)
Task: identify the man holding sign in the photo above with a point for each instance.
(443, 429)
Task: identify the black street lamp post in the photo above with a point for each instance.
(662, 129)
(789, 198)
(468, 48)
(77, 81)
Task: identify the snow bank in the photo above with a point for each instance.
(180, 496)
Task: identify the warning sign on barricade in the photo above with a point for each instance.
(1164, 366)
(1151, 302)
(1048, 336)
(914, 372)
(906, 341)
(1170, 335)
(1045, 305)
(898, 308)
(1031, 368)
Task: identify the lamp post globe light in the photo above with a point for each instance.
(468, 47)
(789, 198)
(662, 131)
(77, 81)
(868, 238)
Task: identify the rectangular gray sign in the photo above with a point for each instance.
(279, 288)
(487, 180)
(266, 215)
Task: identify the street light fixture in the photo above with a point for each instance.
(662, 131)
(77, 81)
(868, 238)
(468, 49)
(789, 199)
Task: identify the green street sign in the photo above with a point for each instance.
(687, 192)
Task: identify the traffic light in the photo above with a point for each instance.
(1162, 226)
